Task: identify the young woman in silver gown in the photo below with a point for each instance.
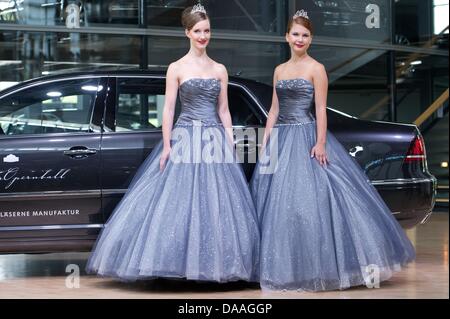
(323, 225)
(192, 219)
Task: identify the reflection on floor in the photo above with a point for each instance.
(44, 276)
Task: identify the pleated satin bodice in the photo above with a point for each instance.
(295, 98)
(199, 99)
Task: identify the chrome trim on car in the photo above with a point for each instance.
(387, 122)
(114, 191)
(49, 194)
(402, 181)
(426, 218)
(60, 134)
(50, 81)
(249, 93)
(243, 87)
(342, 113)
(51, 227)
(149, 131)
(150, 76)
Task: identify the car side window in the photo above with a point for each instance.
(57, 107)
(140, 104)
(241, 108)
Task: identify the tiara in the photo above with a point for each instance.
(301, 13)
(198, 8)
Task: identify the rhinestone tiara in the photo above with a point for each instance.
(301, 13)
(198, 8)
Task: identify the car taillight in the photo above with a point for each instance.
(416, 151)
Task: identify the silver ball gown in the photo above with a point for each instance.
(194, 220)
(320, 227)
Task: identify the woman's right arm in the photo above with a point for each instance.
(274, 110)
(169, 112)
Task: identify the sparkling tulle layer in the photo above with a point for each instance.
(323, 228)
(193, 220)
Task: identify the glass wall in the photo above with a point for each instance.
(358, 81)
(60, 13)
(368, 20)
(248, 59)
(421, 79)
(26, 55)
(440, 16)
(359, 41)
(257, 16)
(386, 59)
(413, 22)
(262, 16)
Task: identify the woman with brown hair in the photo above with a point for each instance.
(323, 225)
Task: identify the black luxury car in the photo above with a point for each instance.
(71, 143)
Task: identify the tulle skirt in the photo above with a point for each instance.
(195, 220)
(323, 228)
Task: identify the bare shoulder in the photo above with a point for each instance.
(317, 66)
(180, 64)
(220, 70)
(319, 72)
(173, 72)
(174, 67)
(278, 70)
(181, 61)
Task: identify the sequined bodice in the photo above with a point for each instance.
(199, 101)
(295, 98)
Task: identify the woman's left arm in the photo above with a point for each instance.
(320, 80)
(222, 105)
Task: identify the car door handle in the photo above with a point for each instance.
(250, 145)
(80, 152)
